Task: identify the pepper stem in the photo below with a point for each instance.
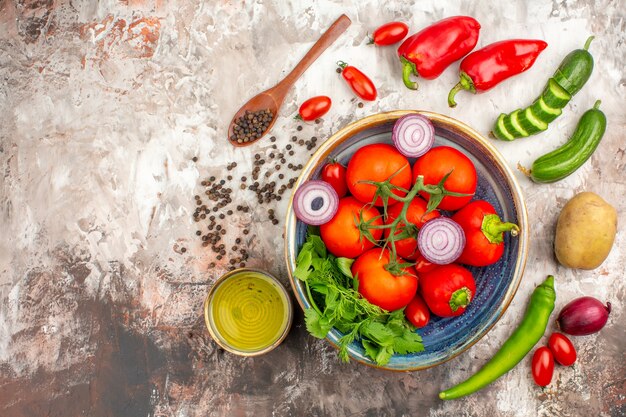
(458, 87)
(597, 104)
(493, 228)
(460, 298)
(465, 83)
(588, 42)
(408, 69)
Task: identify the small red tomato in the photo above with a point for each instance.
(359, 82)
(417, 312)
(562, 349)
(447, 289)
(543, 366)
(314, 108)
(335, 174)
(390, 33)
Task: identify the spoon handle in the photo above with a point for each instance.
(334, 31)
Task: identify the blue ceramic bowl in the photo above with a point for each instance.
(443, 338)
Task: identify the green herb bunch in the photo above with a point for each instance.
(336, 302)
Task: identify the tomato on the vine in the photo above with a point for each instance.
(436, 164)
(417, 312)
(314, 108)
(377, 162)
(335, 174)
(341, 235)
(407, 247)
(378, 285)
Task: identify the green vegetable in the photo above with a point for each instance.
(335, 301)
(569, 78)
(523, 339)
(563, 161)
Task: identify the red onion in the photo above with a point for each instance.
(441, 241)
(584, 315)
(315, 202)
(413, 135)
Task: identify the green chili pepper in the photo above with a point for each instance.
(523, 339)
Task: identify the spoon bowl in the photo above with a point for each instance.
(273, 98)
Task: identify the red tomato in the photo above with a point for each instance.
(484, 240)
(407, 248)
(379, 286)
(377, 162)
(335, 174)
(359, 82)
(342, 237)
(422, 265)
(390, 33)
(417, 312)
(447, 289)
(439, 161)
(543, 366)
(562, 348)
(314, 108)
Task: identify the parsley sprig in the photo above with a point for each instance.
(336, 302)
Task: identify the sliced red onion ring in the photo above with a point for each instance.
(441, 241)
(315, 202)
(413, 135)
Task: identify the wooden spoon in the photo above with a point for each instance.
(273, 98)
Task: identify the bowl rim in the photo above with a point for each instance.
(213, 332)
(518, 200)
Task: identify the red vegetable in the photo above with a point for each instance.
(562, 348)
(429, 52)
(483, 233)
(359, 82)
(417, 312)
(542, 366)
(583, 316)
(390, 33)
(447, 290)
(377, 162)
(485, 68)
(407, 247)
(335, 174)
(314, 108)
(342, 236)
(389, 287)
(444, 160)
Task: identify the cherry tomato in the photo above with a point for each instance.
(342, 237)
(417, 312)
(335, 174)
(543, 366)
(422, 265)
(562, 349)
(379, 286)
(359, 82)
(438, 162)
(390, 33)
(447, 289)
(377, 162)
(407, 248)
(314, 108)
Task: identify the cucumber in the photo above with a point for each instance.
(500, 131)
(544, 112)
(575, 69)
(563, 161)
(569, 78)
(554, 95)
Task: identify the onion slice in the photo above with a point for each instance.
(441, 241)
(315, 202)
(413, 135)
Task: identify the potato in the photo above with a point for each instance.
(585, 231)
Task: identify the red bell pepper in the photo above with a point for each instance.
(447, 289)
(429, 52)
(485, 68)
(483, 233)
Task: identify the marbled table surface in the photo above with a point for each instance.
(104, 104)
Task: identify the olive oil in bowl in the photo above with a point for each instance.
(248, 312)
